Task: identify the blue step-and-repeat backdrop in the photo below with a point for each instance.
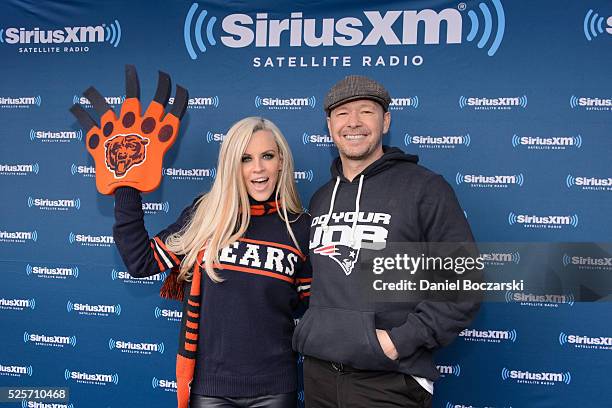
(510, 100)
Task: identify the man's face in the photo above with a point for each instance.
(357, 129)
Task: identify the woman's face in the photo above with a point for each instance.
(261, 164)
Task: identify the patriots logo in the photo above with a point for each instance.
(343, 255)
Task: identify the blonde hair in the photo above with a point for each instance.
(222, 215)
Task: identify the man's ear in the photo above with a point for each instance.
(386, 122)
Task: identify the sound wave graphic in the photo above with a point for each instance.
(505, 373)
(573, 102)
(459, 178)
(113, 33)
(578, 141)
(562, 338)
(487, 26)
(567, 377)
(592, 25)
(462, 101)
(566, 260)
(512, 218)
(197, 30)
(513, 335)
(520, 179)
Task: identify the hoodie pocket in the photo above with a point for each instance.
(345, 336)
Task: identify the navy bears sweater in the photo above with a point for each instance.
(237, 332)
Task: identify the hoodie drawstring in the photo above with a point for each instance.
(331, 205)
(357, 200)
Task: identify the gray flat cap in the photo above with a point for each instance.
(354, 87)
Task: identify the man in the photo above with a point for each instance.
(373, 355)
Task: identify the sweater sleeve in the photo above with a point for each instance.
(435, 324)
(143, 256)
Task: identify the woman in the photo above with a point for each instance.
(237, 255)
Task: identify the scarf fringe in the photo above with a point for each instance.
(171, 288)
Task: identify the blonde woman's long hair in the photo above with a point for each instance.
(222, 215)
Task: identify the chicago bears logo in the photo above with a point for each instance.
(343, 255)
(124, 152)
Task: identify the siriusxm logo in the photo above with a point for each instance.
(389, 28)
(125, 277)
(589, 183)
(49, 341)
(52, 273)
(402, 103)
(113, 101)
(110, 33)
(16, 371)
(547, 143)
(19, 169)
(20, 101)
(587, 262)
(85, 309)
(500, 259)
(591, 104)
(488, 336)
(18, 237)
(170, 315)
(156, 207)
(585, 342)
(91, 378)
(546, 221)
(539, 378)
(17, 304)
(438, 142)
(497, 181)
(307, 175)
(54, 205)
(214, 137)
(36, 404)
(85, 171)
(285, 104)
(165, 385)
(47, 136)
(445, 370)
(317, 140)
(136, 348)
(593, 25)
(189, 174)
(91, 240)
(546, 300)
(502, 103)
(201, 102)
